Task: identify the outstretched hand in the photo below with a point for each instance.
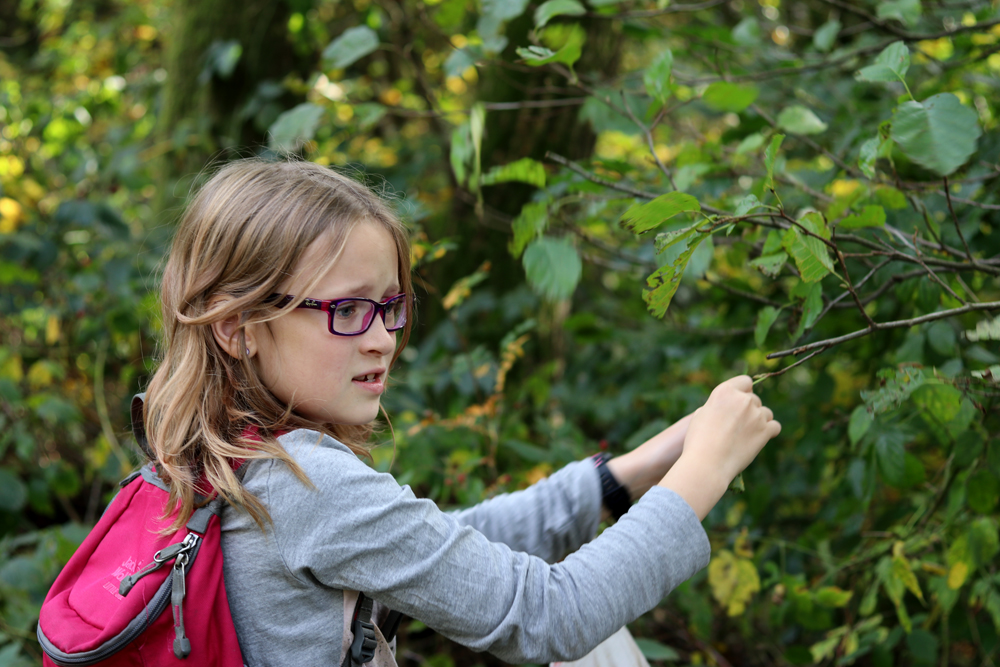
(724, 436)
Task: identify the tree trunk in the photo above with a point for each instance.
(201, 116)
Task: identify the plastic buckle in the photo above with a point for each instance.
(363, 646)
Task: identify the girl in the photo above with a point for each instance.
(286, 300)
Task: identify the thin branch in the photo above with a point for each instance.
(650, 13)
(940, 315)
(764, 376)
(649, 142)
(958, 228)
(743, 295)
(573, 166)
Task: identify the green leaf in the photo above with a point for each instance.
(905, 11)
(765, 319)
(939, 134)
(832, 597)
(553, 267)
(890, 65)
(746, 205)
(665, 240)
(770, 155)
(524, 170)
(295, 127)
(982, 491)
(654, 650)
(800, 120)
(867, 157)
(985, 330)
(665, 280)
(13, 492)
(657, 76)
(569, 44)
(826, 34)
(747, 32)
(641, 218)
(815, 223)
(528, 225)
(896, 387)
(750, 143)
(891, 456)
(861, 420)
(221, 60)
(871, 216)
(461, 153)
(352, 45)
(942, 338)
(733, 97)
(944, 409)
(549, 10)
(770, 265)
(811, 307)
(811, 256)
(772, 243)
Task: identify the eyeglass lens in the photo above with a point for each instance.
(351, 317)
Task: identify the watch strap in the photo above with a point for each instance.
(614, 496)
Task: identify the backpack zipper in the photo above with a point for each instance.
(188, 549)
(160, 558)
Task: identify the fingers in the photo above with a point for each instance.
(741, 383)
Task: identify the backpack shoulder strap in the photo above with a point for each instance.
(138, 428)
(363, 647)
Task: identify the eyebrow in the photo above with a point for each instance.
(356, 290)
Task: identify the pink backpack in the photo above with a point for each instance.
(107, 605)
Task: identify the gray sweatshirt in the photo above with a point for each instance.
(486, 577)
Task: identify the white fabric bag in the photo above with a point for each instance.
(618, 650)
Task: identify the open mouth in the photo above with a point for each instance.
(370, 377)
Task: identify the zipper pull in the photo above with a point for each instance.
(182, 645)
(159, 559)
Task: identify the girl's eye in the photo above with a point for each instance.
(345, 310)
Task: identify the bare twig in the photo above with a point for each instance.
(650, 13)
(593, 178)
(765, 376)
(958, 228)
(940, 315)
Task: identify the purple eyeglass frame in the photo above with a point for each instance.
(329, 306)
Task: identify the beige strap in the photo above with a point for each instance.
(384, 651)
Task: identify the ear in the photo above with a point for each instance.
(226, 333)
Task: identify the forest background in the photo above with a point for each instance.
(614, 205)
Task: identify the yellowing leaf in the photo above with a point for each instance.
(733, 580)
(901, 570)
(11, 215)
(39, 375)
(52, 330)
(12, 369)
(957, 575)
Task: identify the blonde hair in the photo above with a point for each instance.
(241, 237)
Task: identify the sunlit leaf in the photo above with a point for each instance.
(733, 97)
(351, 46)
(770, 155)
(870, 216)
(295, 127)
(765, 319)
(553, 267)
(800, 120)
(939, 134)
(733, 580)
(812, 257)
(656, 78)
(890, 65)
(770, 265)
(644, 217)
(826, 34)
(528, 225)
(663, 283)
(552, 8)
(524, 170)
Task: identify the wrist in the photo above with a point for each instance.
(614, 496)
(700, 485)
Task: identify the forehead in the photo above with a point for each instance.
(362, 263)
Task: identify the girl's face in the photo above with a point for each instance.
(329, 378)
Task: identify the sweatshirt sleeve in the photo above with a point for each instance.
(359, 530)
(549, 519)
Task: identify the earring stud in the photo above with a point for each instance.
(248, 351)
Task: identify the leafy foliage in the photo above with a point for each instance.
(821, 178)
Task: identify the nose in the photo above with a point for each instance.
(378, 340)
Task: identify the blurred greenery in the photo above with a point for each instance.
(840, 166)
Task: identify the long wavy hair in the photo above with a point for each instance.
(241, 236)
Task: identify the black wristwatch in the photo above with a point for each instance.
(614, 495)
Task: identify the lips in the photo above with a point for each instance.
(370, 376)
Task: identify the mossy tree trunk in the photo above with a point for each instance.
(202, 117)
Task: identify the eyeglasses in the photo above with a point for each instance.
(353, 316)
